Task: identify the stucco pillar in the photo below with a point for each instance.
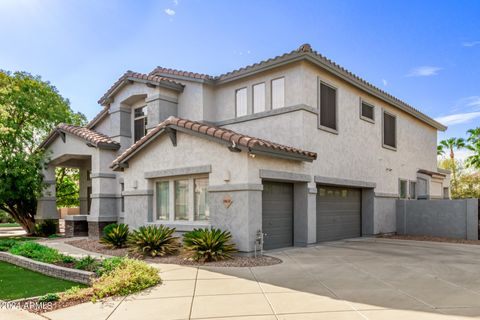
(47, 203)
(159, 108)
(238, 209)
(312, 213)
(82, 196)
(103, 209)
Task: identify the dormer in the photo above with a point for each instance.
(138, 102)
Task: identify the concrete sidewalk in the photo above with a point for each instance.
(366, 279)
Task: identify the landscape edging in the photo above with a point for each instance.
(81, 276)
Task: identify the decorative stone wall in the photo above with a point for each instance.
(95, 228)
(80, 276)
(75, 228)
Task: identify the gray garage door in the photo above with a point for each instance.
(277, 214)
(338, 213)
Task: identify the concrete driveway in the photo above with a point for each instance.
(357, 279)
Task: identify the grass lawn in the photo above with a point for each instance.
(9, 225)
(17, 282)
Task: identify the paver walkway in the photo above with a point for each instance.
(366, 279)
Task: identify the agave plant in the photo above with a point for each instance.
(154, 241)
(115, 235)
(209, 244)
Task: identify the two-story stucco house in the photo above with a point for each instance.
(295, 146)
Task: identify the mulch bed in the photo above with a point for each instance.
(181, 259)
(430, 238)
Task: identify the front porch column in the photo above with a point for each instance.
(47, 203)
(104, 196)
(83, 192)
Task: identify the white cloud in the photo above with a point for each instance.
(470, 44)
(385, 82)
(170, 12)
(424, 71)
(458, 118)
(175, 2)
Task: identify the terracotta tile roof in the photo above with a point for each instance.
(95, 138)
(135, 76)
(161, 70)
(252, 144)
(305, 51)
(97, 118)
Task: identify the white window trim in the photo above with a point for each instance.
(319, 86)
(171, 200)
(264, 97)
(362, 101)
(246, 101)
(409, 189)
(383, 130)
(284, 93)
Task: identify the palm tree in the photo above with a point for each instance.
(453, 144)
(440, 151)
(474, 145)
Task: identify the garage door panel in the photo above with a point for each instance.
(277, 214)
(338, 213)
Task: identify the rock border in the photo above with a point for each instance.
(80, 276)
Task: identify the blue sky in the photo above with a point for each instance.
(424, 52)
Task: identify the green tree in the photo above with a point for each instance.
(29, 109)
(67, 187)
(468, 186)
(451, 145)
(473, 139)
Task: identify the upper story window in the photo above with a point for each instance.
(413, 190)
(367, 111)
(278, 93)
(139, 123)
(258, 97)
(241, 102)
(389, 130)
(328, 107)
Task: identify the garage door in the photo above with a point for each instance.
(277, 214)
(338, 213)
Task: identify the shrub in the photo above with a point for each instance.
(129, 277)
(49, 297)
(209, 244)
(5, 217)
(87, 263)
(115, 235)
(35, 251)
(154, 241)
(108, 265)
(6, 244)
(46, 228)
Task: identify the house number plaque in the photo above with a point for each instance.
(227, 201)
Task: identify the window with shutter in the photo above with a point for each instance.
(367, 112)
(328, 107)
(389, 130)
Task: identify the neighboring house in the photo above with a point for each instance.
(295, 147)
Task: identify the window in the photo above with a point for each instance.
(278, 93)
(367, 111)
(181, 199)
(140, 123)
(259, 97)
(402, 189)
(446, 193)
(163, 200)
(122, 198)
(389, 130)
(201, 211)
(413, 190)
(328, 106)
(241, 102)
